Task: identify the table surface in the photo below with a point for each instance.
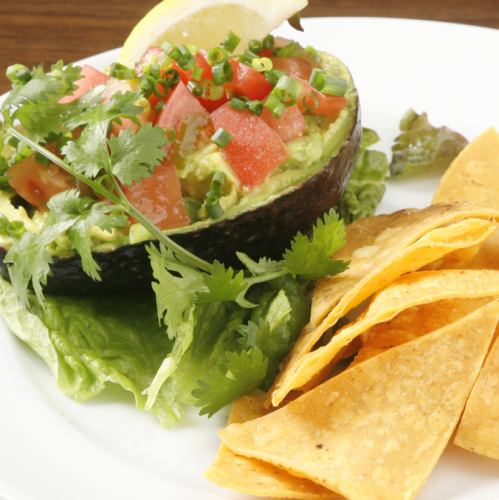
(35, 31)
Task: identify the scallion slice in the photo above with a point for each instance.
(262, 64)
(221, 137)
(222, 72)
(236, 103)
(231, 42)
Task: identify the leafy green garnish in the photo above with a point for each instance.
(259, 311)
(421, 146)
(29, 257)
(36, 103)
(90, 343)
(311, 257)
(366, 186)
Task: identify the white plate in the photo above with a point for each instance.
(52, 448)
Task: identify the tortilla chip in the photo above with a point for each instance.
(254, 477)
(408, 291)
(378, 429)
(474, 176)
(413, 323)
(380, 250)
(478, 430)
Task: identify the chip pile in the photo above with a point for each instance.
(416, 315)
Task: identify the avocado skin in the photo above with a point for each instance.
(263, 231)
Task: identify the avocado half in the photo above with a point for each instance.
(262, 230)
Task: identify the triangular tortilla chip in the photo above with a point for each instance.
(408, 291)
(378, 429)
(478, 430)
(474, 176)
(381, 249)
(413, 323)
(254, 477)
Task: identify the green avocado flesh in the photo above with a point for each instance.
(307, 155)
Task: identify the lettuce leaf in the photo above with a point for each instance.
(366, 186)
(421, 146)
(90, 342)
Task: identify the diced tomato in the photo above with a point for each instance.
(255, 149)
(181, 104)
(248, 82)
(91, 77)
(313, 101)
(37, 183)
(289, 126)
(266, 53)
(159, 197)
(294, 66)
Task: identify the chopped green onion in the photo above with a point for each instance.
(192, 207)
(274, 104)
(268, 42)
(317, 78)
(221, 137)
(247, 57)
(217, 55)
(231, 42)
(122, 72)
(195, 88)
(288, 50)
(273, 76)
(182, 56)
(212, 202)
(255, 46)
(288, 90)
(262, 64)
(334, 86)
(18, 73)
(236, 103)
(222, 72)
(197, 73)
(255, 107)
(327, 84)
(171, 77)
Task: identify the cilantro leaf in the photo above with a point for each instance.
(134, 156)
(420, 145)
(90, 108)
(85, 213)
(36, 103)
(29, 256)
(263, 266)
(176, 286)
(242, 373)
(88, 154)
(224, 284)
(311, 257)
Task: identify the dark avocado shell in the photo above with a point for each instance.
(263, 231)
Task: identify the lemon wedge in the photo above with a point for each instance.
(205, 23)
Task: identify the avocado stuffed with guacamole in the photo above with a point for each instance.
(227, 150)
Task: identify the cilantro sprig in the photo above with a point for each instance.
(186, 295)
